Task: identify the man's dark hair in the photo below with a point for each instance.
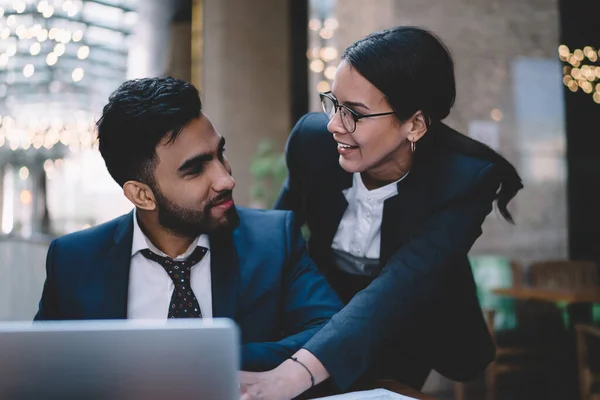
(139, 115)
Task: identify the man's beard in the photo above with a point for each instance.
(191, 223)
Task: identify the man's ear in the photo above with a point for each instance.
(419, 127)
(140, 195)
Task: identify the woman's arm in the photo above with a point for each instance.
(412, 275)
(287, 381)
(346, 344)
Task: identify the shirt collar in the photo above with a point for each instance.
(379, 194)
(140, 242)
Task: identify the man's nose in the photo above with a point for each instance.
(224, 181)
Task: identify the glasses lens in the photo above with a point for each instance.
(328, 106)
(348, 120)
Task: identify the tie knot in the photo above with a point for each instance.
(179, 271)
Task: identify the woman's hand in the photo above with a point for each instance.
(270, 385)
(288, 380)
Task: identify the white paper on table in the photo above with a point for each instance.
(375, 394)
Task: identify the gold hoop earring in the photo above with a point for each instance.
(413, 147)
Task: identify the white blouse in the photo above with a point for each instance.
(359, 232)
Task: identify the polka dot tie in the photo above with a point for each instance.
(183, 301)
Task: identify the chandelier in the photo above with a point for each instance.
(59, 61)
(580, 71)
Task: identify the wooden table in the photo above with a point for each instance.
(389, 384)
(579, 301)
(400, 388)
(587, 295)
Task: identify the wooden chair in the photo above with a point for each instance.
(519, 277)
(548, 274)
(563, 274)
(571, 275)
(501, 364)
(587, 377)
(566, 274)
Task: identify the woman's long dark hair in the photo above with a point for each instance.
(414, 70)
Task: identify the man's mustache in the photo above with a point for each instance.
(221, 198)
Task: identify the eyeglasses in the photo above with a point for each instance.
(349, 117)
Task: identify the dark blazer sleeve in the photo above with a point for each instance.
(411, 276)
(309, 302)
(292, 192)
(47, 303)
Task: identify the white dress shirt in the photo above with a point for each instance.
(150, 287)
(359, 231)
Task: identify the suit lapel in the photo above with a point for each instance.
(225, 277)
(117, 264)
(335, 206)
(403, 212)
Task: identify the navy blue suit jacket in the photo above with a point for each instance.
(421, 312)
(261, 277)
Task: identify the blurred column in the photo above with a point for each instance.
(300, 91)
(149, 53)
(180, 55)
(197, 43)
(358, 18)
(322, 50)
(40, 215)
(580, 32)
(246, 78)
(2, 172)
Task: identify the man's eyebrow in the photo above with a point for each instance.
(194, 161)
(200, 158)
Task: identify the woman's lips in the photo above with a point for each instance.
(346, 149)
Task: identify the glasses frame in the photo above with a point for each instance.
(355, 115)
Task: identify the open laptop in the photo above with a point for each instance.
(184, 359)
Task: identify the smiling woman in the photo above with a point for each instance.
(394, 200)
